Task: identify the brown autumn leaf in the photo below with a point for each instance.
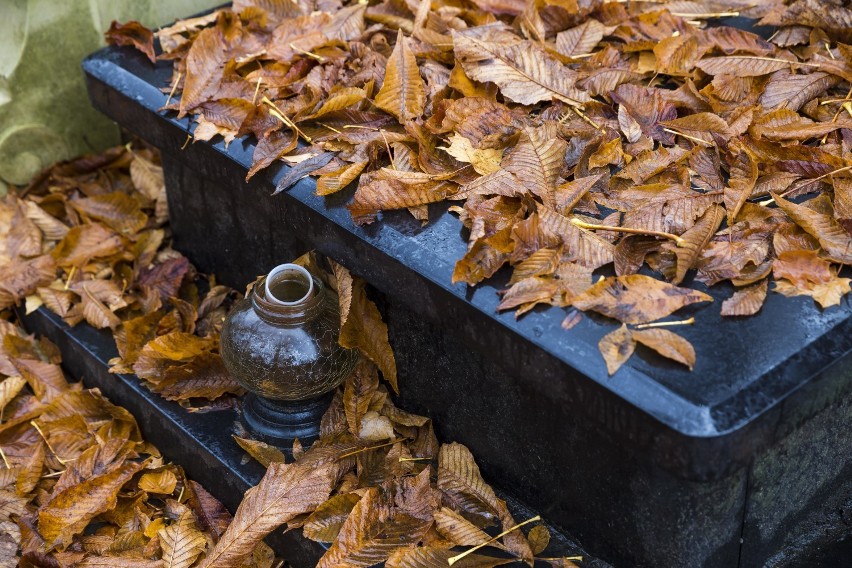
(361, 325)
(86, 242)
(204, 376)
(791, 91)
(704, 126)
(285, 491)
(391, 189)
(437, 557)
(463, 486)
(617, 347)
(695, 239)
(403, 93)
(803, 272)
(746, 301)
(636, 298)
(742, 65)
(134, 34)
(324, 524)
(524, 72)
(116, 210)
(668, 344)
(581, 39)
(334, 181)
(261, 451)
(205, 64)
(69, 511)
(181, 542)
(372, 532)
(834, 240)
(20, 278)
(539, 538)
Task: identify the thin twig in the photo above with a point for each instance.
(458, 557)
(314, 56)
(629, 230)
(688, 137)
(362, 450)
(174, 88)
(689, 321)
(820, 178)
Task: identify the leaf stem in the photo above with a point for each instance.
(313, 56)
(458, 557)
(688, 137)
(367, 449)
(583, 225)
(689, 321)
(174, 88)
(279, 114)
(820, 178)
(706, 15)
(46, 441)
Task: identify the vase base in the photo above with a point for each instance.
(280, 422)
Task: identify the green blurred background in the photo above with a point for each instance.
(45, 114)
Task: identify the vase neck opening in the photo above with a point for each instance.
(289, 285)
(288, 296)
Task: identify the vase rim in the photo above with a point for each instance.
(302, 275)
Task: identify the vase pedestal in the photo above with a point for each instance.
(280, 422)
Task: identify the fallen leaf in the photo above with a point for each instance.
(617, 347)
(636, 298)
(667, 344)
(403, 93)
(134, 34)
(746, 301)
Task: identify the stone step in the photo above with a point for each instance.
(655, 466)
(201, 443)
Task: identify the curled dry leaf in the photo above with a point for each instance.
(668, 344)
(133, 34)
(746, 301)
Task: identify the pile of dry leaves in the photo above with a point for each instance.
(574, 134)
(79, 486)
(88, 240)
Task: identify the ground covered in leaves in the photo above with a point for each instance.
(89, 240)
(574, 135)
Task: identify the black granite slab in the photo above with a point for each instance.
(654, 466)
(201, 442)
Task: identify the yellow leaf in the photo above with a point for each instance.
(484, 161)
(667, 344)
(162, 482)
(324, 523)
(261, 451)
